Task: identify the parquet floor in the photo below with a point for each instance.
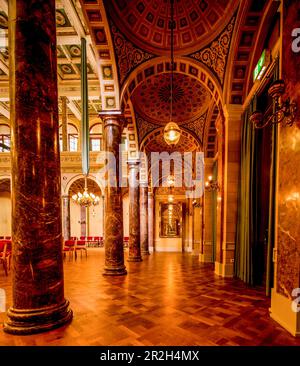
(168, 299)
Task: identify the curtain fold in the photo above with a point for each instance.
(255, 214)
(244, 236)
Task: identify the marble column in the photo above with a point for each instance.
(144, 219)
(64, 124)
(66, 217)
(37, 271)
(134, 212)
(206, 253)
(229, 181)
(83, 231)
(103, 216)
(113, 225)
(285, 293)
(151, 220)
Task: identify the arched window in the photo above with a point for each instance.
(96, 137)
(4, 138)
(72, 138)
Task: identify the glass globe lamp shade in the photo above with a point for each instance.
(172, 133)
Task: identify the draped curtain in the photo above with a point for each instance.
(243, 252)
(252, 264)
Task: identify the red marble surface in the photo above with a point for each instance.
(150, 220)
(134, 213)
(66, 217)
(144, 220)
(38, 286)
(288, 255)
(113, 225)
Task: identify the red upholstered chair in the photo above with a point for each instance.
(101, 242)
(80, 245)
(126, 241)
(69, 247)
(98, 241)
(5, 255)
(82, 238)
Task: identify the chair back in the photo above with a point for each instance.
(69, 243)
(81, 243)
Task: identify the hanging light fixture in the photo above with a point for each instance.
(172, 132)
(85, 198)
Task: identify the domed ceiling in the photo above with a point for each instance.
(151, 99)
(147, 22)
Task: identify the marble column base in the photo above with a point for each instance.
(31, 321)
(115, 271)
(145, 253)
(135, 259)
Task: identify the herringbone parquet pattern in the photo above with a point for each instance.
(168, 299)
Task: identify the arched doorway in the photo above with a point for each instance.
(86, 221)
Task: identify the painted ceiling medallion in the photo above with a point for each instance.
(165, 93)
(151, 99)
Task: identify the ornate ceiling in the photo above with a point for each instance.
(152, 98)
(146, 23)
(140, 30)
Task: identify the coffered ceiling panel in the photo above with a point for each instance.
(147, 22)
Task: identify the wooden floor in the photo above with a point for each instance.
(168, 299)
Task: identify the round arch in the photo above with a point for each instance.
(81, 176)
(191, 140)
(161, 65)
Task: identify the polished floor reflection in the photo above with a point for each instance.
(168, 299)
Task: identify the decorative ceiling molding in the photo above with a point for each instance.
(210, 133)
(244, 47)
(197, 126)
(146, 23)
(127, 54)
(216, 54)
(144, 127)
(182, 65)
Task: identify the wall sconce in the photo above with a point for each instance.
(210, 185)
(284, 111)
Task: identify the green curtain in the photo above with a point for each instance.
(85, 111)
(272, 201)
(214, 212)
(250, 261)
(244, 237)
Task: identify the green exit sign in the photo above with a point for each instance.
(262, 65)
